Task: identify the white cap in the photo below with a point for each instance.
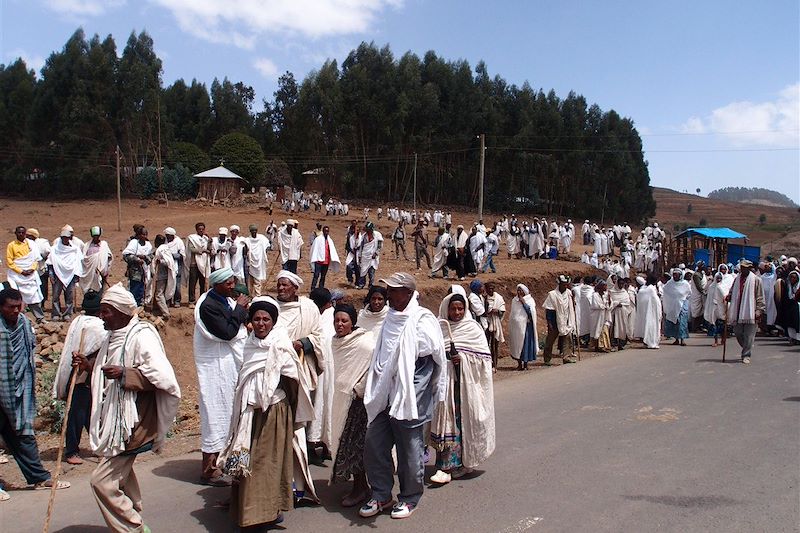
(223, 231)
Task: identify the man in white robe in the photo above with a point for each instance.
(220, 250)
(323, 257)
(165, 275)
(178, 250)
(747, 304)
(648, 314)
(768, 283)
(406, 380)
(136, 397)
(198, 264)
(369, 255)
(535, 239)
(257, 261)
(621, 310)
(97, 259)
(291, 246)
(237, 249)
(219, 337)
(561, 318)
(22, 262)
(65, 268)
(600, 318)
(441, 249)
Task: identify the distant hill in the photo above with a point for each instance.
(673, 212)
(754, 195)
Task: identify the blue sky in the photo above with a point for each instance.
(713, 86)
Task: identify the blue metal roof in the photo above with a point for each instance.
(714, 233)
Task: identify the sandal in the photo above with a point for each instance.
(48, 485)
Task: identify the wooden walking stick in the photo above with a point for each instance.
(61, 442)
(725, 332)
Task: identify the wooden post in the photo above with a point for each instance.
(119, 195)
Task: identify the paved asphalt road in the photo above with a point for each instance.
(667, 440)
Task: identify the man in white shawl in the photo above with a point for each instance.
(66, 267)
(698, 298)
(747, 304)
(406, 380)
(561, 321)
(369, 255)
(463, 426)
(257, 261)
(85, 335)
(648, 314)
(219, 336)
(768, 280)
(178, 250)
(495, 310)
(323, 257)
(237, 249)
(97, 259)
(136, 397)
(22, 262)
(441, 249)
(584, 309)
(291, 245)
(221, 250)
(138, 255)
(300, 316)
(165, 274)
(198, 263)
(535, 239)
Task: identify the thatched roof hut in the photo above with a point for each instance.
(219, 183)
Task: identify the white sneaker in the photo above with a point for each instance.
(441, 477)
(746, 360)
(373, 507)
(403, 510)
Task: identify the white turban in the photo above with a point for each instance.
(170, 231)
(293, 278)
(120, 298)
(235, 228)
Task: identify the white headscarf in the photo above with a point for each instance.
(293, 278)
(120, 298)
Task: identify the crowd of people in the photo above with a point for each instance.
(294, 380)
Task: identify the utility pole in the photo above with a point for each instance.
(158, 169)
(415, 182)
(119, 196)
(603, 213)
(482, 137)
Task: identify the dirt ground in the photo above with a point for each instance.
(48, 217)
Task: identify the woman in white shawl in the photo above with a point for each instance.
(352, 353)
(714, 308)
(258, 453)
(675, 298)
(463, 427)
(373, 314)
(648, 314)
(522, 336)
(495, 309)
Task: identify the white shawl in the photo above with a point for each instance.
(648, 316)
(88, 328)
(197, 244)
(518, 322)
(218, 363)
(390, 381)
(318, 252)
(743, 308)
(95, 267)
(352, 355)
(114, 414)
(476, 388)
(673, 295)
(600, 314)
(372, 321)
(163, 256)
(266, 360)
(257, 259)
(495, 302)
(29, 286)
(290, 244)
(66, 262)
(561, 303)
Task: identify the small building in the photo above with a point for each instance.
(711, 246)
(218, 184)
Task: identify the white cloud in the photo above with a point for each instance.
(78, 8)
(242, 22)
(31, 61)
(773, 123)
(266, 67)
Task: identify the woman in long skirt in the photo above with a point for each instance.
(522, 337)
(352, 353)
(258, 454)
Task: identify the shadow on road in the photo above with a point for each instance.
(187, 470)
(719, 360)
(688, 502)
(792, 399)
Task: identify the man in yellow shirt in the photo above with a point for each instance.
(22, 259)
